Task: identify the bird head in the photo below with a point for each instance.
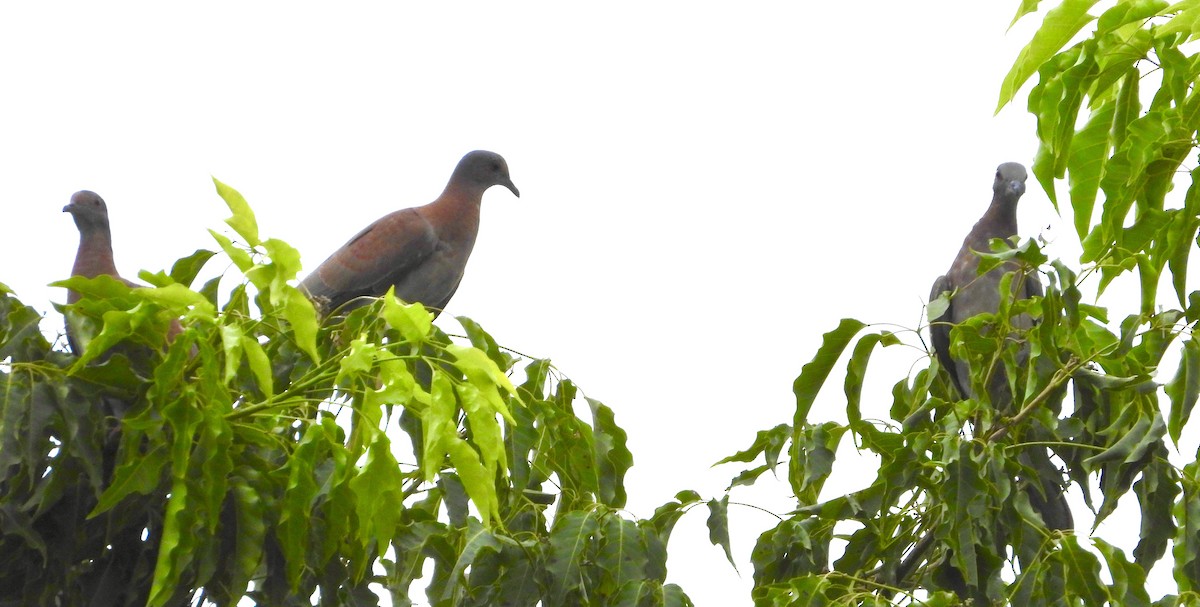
(1010, 180)
(88, 210)
(482, 170)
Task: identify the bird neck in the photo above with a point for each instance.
(457, 210)
(95, 256)
(1000, 219)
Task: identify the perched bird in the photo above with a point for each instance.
(95, 255)
(422, 251)
(973, 294)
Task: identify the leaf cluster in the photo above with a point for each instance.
(264, 453)
(950, 517)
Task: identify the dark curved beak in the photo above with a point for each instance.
(512, 188)
(69, 208)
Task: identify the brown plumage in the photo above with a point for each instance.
(422, 251)
(95, 255)
(974, 294)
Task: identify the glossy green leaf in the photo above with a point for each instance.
(242, 221)
(238, 255)
(299, 312)
(413, 321)
(1059, 26)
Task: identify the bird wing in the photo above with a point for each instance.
(378, 256)
(939, 330)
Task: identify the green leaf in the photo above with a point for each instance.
(299, 312)
(666, 515)
(767, 442)
(1027, 6)
(297, 503)
(242, 221)
(812, 375)
(1059, 26)
(1082, 572)
(484, 341)
(718, 526)
(612, 455)
(1129, 580)
(260, 366)
(621, 553)
(476, 478)
(937, 306)
(286, 260)
(239, 256)
(184, 271)
(438, 425)
(966, 495)
(1129, 12)
(179, 298)
(1184, 389)
(1186, 21)
(1156, 492)
(138, 475)
(251, 507)
(377, 491)
(570, 544)
(477, 541)
(856, 370)
(413, 321)
(813, 453)
(484, 375)
(1186, 545)
(1085, 163)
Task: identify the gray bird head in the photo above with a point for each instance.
(482, 169)
(1010, 180)
(88, 210)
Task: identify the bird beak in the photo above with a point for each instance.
(512, 188)
(1016, 187)
(69, 208)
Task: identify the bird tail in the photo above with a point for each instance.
(1045, 492)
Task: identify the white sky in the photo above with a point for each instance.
(706, 188)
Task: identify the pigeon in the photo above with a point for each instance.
(972, 294)
(95, 255)
(421, 251)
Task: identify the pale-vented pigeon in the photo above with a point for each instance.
(422, 251)
(95, 255)
(972, 294)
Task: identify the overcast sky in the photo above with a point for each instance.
(705, 187)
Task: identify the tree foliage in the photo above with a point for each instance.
(943, 521)
(262, 453)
